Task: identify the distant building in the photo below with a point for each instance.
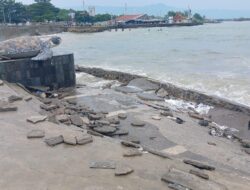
(131, 19)
(179, 18)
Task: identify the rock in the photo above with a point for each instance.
(1, 83)
(85, 120)
(105, 130)
(167, 113)
(132, 153)
(46, 101)
(53, 119)
(157, 153)
(36, 119)
(53, 141)
(162, 93)
(95, 117)
(123, 170)
(122, 116)
(203, 123)
(28, 98)
(102, 122)
(48, 107)
(14, 98)
(149, 97)
(245, 143)
(69, 139)
(36, 134)
(177, 187)
(179, 120)
(138, 123)
(62, 118)
(76, 120)
(72, 102)
(120, 132)
(190, 181)
(132, 139)
(69, 112)
(8, 108)
(199, 165)
(211, 143)
(127, 89)
(199, 174)
(94, 133)
(195, 116)
(144, 84)
(156, 117)
(114, 120)
(102, 165)
(130, 144)
(83, 139)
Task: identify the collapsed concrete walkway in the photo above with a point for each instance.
(31, 164)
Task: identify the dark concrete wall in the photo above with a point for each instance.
(55, 73)
(175, 91)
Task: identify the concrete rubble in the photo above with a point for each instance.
(87, 139)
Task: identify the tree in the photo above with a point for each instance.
(102, 17)
(63, 15)
(42, 1)
(198, 18)
(83, 17)
(40, 12)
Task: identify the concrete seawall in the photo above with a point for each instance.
(56, 73)
(173, 90)
(7, 32)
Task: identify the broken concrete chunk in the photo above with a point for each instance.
(14, 98)
(76, 120)
(122, 116)
(53, 141)
(36, 134)
(95, 116)
(1, 83)
(69, 139)
(138, 123)
(130, 144)
(121, 170)
(85, 120)
(132, 153)
(105, 130)
(8, 108)
(156, 117)
(199, 174)
(36, 119)
(149, 97)
(167, 113)
(28, 98)
(157, 153)
(48, 107)
(102, 165)
(62, 118)
(132, 139)
(199, 165)
(195, 115)
(84, 139)
(189, 181)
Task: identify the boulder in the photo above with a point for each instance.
(53, 141)
(14, 98)
(36, 134)
(144, 84)
(122, 169)
(102, 122)
(102, 165)
(36, 119)
(149, 97)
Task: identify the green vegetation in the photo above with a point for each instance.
(195, 18)
(41, 11)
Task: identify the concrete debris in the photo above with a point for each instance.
(122, 170)
(130, 144)
(76, 120)
(36, 119)
(53, 141)
(62, 118)
(122, 116)
(102, 165)
(162, 93)
(222, 131)
(138, 123)
(102, 122)
(94, 133)
(190, 181)
(95, 116)
(36, 134)
(72, 101)
(195, 116)
(48, 107)
(167, 113)
(8, 108)
(1, 83)
(132, 139)
(46, 101)
(199, 174)
(84, 139)
(14, 98)
(156, 117)
(69, 139)
(132, 153)
(199, 165)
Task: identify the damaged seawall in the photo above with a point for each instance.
(59, 72)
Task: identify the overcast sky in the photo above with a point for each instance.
(194, 4)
